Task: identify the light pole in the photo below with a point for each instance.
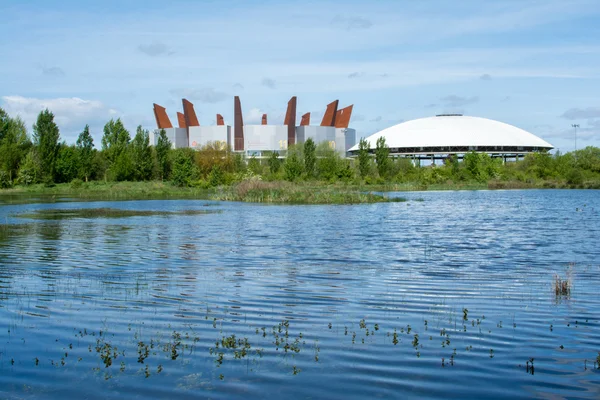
(575, 126)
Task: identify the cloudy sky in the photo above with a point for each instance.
(533, 64)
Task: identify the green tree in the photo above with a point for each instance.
(163, 146)
(472, 162)
(328, 162)
(45, 138)
(67, 163)
(184, 170)
(382, 153)
(364, 159)
(310, 157)
(254, 165)
(14, 144)
(115, 144)
(142, 155)
(29, 169)
(85, 146)
(293, 165)
(274, 163)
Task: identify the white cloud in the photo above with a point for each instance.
(70, 114)
(253, 117)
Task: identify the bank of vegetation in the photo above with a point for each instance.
(126, 167)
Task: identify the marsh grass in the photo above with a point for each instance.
(257, 191)
(563, 286)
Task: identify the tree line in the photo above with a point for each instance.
(43, 158)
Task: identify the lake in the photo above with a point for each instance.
(447, 295)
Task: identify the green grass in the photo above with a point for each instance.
(256, 191)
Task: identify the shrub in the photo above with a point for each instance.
(76, 183)
(293, 167)
(5, 181)
(215, 177)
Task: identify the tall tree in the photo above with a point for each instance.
(163, 146)
(14, 145)
(382, 153)
(142, 155)
(45, 138)
(363, 157)
(115, 143)
(4, 120)
(67, 163)
(310, 157)
(85, 145)
(115, 139)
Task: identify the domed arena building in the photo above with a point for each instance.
(455, 134)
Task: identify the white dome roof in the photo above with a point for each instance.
(454, 132)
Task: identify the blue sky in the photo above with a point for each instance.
(532, 64)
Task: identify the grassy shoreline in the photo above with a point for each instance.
(280, 192)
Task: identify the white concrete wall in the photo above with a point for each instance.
(177, 136)
(339, 139)
(202, 135)
(258, 138)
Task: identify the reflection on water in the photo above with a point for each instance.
(452, 296)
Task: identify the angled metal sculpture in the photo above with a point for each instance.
(162, 119)
(220, 120)
(330, 114)
(238, 129)
(290, 121)
(305, 119)
(342, 118)
(264, 119)
(181, 120)
(190, 115)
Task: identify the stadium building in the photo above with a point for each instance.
(257, 140)
(435, 138)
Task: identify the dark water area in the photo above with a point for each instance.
(448, 295)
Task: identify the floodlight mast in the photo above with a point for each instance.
(575, 126)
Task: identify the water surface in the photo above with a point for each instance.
(451, 296)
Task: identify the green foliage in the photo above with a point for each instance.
(45, 139)
(293, 166)
(254, 165)
(85, 146)
(184, 171)
(115, 139)
(588, 159)
(67, 164)
(472, 164)
(122, 168)
(29, 170)
(115, 145)
(141, 154)
(5, 181)
(14, 144)
(328, 163)
(574, 177)
(382, 157)
(215, 178)
(238, 163)
(163, 146)
(274, 163)
(364, 160)
(310, 157)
